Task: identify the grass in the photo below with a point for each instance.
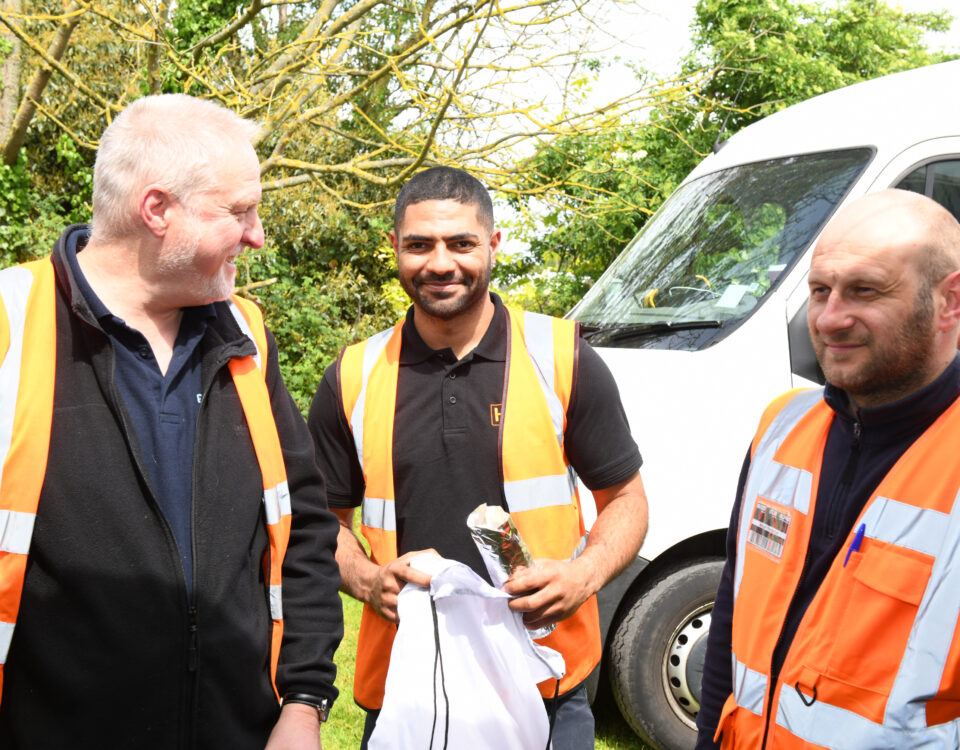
(345, 728)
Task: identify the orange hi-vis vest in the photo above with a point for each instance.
(28, 348)
(875, 661)
(538, 483)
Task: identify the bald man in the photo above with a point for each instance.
(836, 620)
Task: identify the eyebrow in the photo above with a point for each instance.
(430, 238)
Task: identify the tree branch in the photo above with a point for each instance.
(52, 55)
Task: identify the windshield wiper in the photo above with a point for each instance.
(623, 331)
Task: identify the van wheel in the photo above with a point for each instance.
(657, 652)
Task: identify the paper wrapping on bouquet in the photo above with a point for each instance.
(501, 547)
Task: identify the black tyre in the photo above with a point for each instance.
(656, 654)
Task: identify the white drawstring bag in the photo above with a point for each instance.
(464, 670)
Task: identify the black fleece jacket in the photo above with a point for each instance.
(109, 651)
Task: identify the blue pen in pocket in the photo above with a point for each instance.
(855, 544)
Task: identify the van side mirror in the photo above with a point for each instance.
(803, 360)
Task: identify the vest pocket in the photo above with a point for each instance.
(875, 607)
(726, 723)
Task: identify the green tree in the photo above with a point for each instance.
(354, 96)
(765, 56)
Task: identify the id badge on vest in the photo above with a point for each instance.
(768, 528)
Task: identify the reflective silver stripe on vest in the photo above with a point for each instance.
(15, 286)
(919, 529)
(376, 513)
(371, 352)
(539, 492)
(538, 336)
(925, 658)
(16, 530)
(276, 502)
(276, 602)
(245, 328)
(749, 687)
(839, 729)
(6, 635)
(787, 485)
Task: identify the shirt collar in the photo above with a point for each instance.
(921, 405)
(493, 345)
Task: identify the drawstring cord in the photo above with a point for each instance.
(438, 660)
(553, 712)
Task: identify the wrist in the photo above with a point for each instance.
(307, 704)
(590, 572)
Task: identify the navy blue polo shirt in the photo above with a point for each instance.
(162, 407)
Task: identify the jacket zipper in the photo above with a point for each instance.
(846, 480)
(191, 657)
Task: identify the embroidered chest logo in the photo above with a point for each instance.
(496, 411)
(768, 529)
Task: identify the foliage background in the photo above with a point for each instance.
(576, 185)
(766, 55)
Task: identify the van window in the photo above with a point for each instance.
(939, 180)
(714, 250)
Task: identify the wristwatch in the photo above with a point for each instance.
(321, 704)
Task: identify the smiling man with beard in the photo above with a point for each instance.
(166, 553)
(466, 402)
(836, 620)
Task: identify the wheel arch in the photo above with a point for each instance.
(706, 544)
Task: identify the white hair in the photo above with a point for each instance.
(169, 140)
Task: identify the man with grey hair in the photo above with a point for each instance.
(168, 575)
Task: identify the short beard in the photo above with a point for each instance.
(900, 368)
(178, 261)
(476, 290)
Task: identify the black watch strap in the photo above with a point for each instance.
(321, 704)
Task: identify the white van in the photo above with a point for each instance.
(702, 320)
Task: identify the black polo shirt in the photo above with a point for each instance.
(163, 408)
(445, 437)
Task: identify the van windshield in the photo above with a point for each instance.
(714, 250)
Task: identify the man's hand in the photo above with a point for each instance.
(368, 582)
(298, 728)
(550, 590)
(390, 579)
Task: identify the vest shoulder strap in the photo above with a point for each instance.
(770, 413)
(250, 319)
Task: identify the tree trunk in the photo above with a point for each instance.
(153, 51)
(28, 107)
(10, 97)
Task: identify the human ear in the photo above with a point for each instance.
(154, 205)
(494, 245)
(950, 311)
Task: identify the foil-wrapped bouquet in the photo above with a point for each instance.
(501, 547)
